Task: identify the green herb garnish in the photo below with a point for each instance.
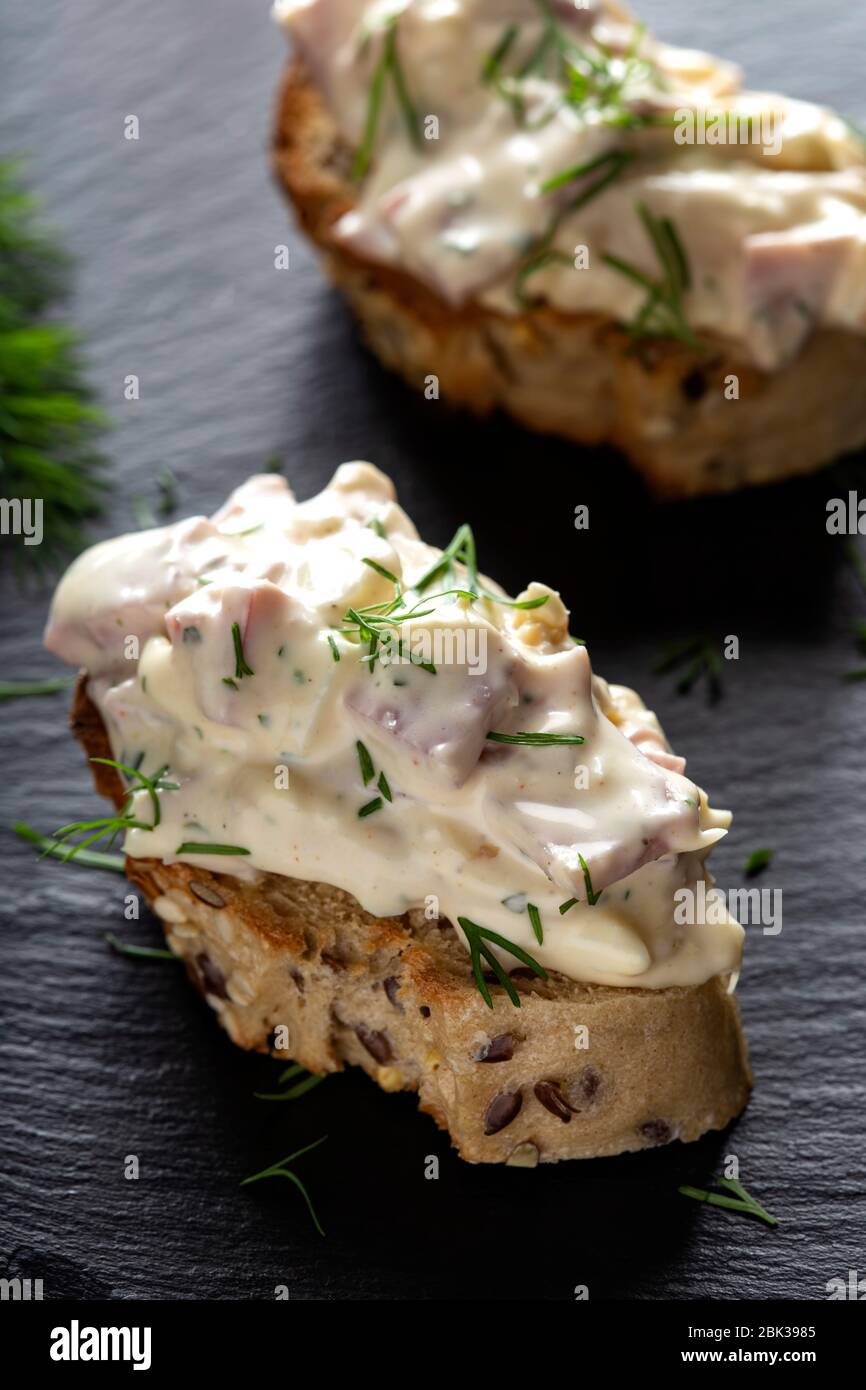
(757, 860)
(301, 1087)
(543, 253)
(111, 826)
(47, 424)
(388, 65)
(662, 315)
(382, 784)
(382, 621)
(124, 948)
(741, 1201)
(368, 771)
(535, 919)
(591, 897)
(493, 62)
(567, 906)
(56, 849)
(477, 936)
(14, 690)
(281, 1170)
(370, 807)
(241, 667)
(537, 740)
(193, 847)
(700, 654)
(380, 569)
(167, 485)
(335, 651)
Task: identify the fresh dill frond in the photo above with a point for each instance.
(15, 690)
(55, 849)
(701, 658)
(537, 740)
(282, 1170)
(307, 1082)
(48, 424)
(662, 315)
(62, 844)
(241, 667)
(757, 861)
(478, 937)
(387, 66)
(741, 1201)
(126, 948)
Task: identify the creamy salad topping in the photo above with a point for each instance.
(337, 701)
(517, 152)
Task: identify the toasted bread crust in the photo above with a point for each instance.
(575, 375)
(396, 996)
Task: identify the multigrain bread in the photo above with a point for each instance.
(579, 1071)
(577, 375)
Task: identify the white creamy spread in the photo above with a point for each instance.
(225, 650)
(772, 222)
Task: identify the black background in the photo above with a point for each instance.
(105, 1057)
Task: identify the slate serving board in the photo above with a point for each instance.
(104, 1057)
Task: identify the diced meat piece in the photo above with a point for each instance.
(203, 626)
(433, 727)
(122, 588)
(474, 213)
(789, 277)
(630, 813)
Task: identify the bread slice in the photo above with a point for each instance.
(573, 374)
(577, 1071)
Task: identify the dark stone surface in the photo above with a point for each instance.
(105, 1057)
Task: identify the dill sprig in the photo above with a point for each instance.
(47, 422)
(535, 920)
(609, 167)
(205, 847)
(368, 771)
(241, 667)
(14, 690)
(537, 740)
(379, 622)
(477, 936)
(109, 827)
(701, 657)
(282, 1170)
(126, 948)
(461, 550)
(86, 859)
(662, 314)
(308, 1080)
(757, 861)
(591, 896)
(388, 65)
(741, 1201)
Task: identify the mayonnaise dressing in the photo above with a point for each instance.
(225, 650)
(772, 220)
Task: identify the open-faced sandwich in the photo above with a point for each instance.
(532, 205)
(389, 816)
